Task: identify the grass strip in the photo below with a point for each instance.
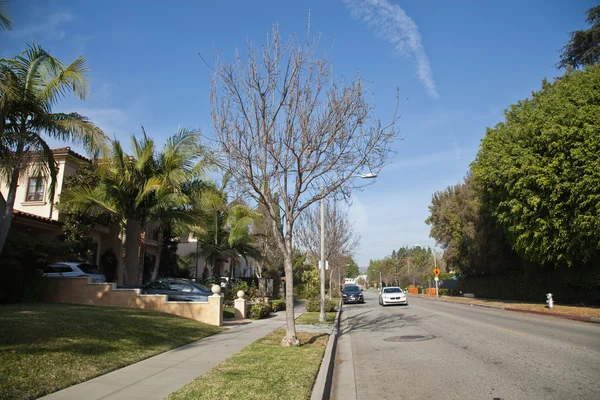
(45, 347)
(263, 371)
(309, 318)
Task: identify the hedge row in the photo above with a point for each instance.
(314, 305)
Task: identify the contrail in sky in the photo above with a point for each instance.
(392, 24)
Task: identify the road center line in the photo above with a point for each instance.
(515, 332)
(450, 315)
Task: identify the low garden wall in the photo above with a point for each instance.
(81, 291)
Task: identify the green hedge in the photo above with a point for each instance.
(314, 305)
(278, 305)
(447, 292)
(260, 310)
(568, 286)
(304, 292)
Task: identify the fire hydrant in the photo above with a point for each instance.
(549, 301)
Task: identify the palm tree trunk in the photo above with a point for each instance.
(141, 254)
(161, 235)
(10, 204)
(123, 266)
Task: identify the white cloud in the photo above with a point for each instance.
(392, 24)
(48, 29)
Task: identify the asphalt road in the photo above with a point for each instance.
(455, 351)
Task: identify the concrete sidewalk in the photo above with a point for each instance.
(161, 375)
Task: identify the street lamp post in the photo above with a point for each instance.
(380, 280)
(322, 315)
(322, 263)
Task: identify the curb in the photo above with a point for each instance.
(322, 388)
(555, 315)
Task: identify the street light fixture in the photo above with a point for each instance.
(323, 263)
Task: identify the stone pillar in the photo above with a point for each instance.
(241, 306)
(216, 306)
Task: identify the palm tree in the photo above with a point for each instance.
(143, 187)
(180, 164)
(5, 21)
(224, 230)
(30, 84)
(121, 193)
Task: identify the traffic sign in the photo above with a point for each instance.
(436, 271)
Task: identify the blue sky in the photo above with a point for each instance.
(460, 63)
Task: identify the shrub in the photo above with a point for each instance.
(108, 265)
(304, 292)
(212, 281)
(260, 310)
(278, 305)
(446, 292)
(34, 285)
(314, 305)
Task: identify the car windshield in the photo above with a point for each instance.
(89, 268)
(351, 289)
(392, 290)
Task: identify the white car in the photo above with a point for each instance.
(392, 295)
(74, 270)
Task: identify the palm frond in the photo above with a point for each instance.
(80, 130)
(5, 21)
(57, 80)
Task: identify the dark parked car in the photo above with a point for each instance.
(352, 294)
(178, 289)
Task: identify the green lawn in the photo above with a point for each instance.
(263, 371)
(313, 318)
(46, 347)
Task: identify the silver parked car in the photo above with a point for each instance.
(74, 270)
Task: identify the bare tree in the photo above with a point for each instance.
(340, 240)
(291, 135)
(271, 256)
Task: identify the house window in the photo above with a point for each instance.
(35, 189)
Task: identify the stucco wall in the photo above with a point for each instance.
(80, 291)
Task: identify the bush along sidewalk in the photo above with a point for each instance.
(278, 305)
(260, 310)
(314, 305)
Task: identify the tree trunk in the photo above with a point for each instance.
(123, 267)
(330, 283)
(141, 254)
(290, 338)
(132, 247)
(161, 239)
(10, 204)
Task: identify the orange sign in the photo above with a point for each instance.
(436, 271)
